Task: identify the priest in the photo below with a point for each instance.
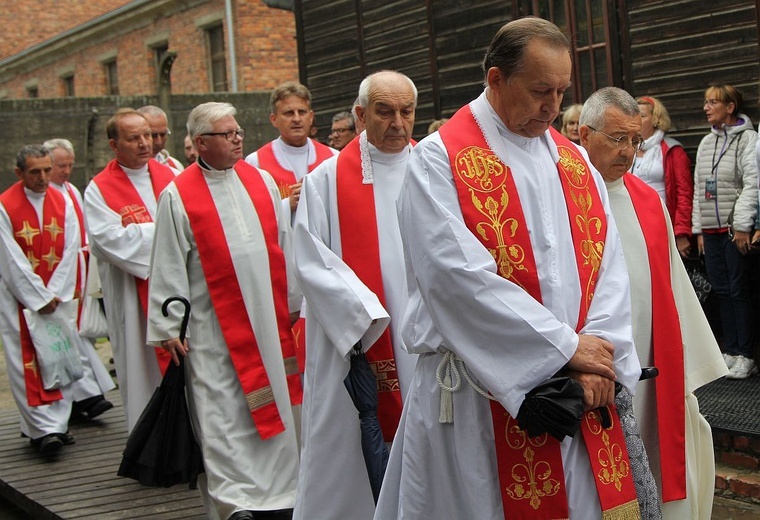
(670, 330)
(293, 154)
(516, 275)
(119, 207)
(38, 262)
(350, 266)
(223, 241)
(97, 380)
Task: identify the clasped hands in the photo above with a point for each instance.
(592, 367)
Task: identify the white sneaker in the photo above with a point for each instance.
(730, 360)
(742, 369)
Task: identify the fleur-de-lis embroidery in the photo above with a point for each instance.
(485, 175)
(532, 480)
(592, 245)
(614, 467)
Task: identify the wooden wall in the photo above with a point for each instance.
(679, 48)
(672, 49)
(438, 44)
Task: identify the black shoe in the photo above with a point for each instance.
(242, 515)
(50, 444)
(93, 406)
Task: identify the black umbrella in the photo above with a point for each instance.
(161, 451)
(556, 407)
(361, 384)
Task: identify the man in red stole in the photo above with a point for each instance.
(96, 381)
(38, 261)
(677, 438)
(516, 274)
(159, 133)
(290, 157)
(294, 154)
(119, 206)
(223, 241)
(350, 266)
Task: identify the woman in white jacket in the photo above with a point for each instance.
(725, 207)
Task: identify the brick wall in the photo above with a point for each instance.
(36, 20)
(265, 47)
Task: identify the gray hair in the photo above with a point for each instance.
(201, 118)
(30, 150)
(353, 108)
(597, 104)
(365, 87)
(152, 110)
(340, 116)
(63, 144)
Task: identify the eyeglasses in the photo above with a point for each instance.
(156, 135)
(623, 141)
(230, 136)
(712, 102)
(341, 131)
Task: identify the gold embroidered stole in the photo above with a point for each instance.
(531, 477)
(43, 247)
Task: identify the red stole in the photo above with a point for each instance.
(44, 248)
(81, 276)
(361, 252)
(667, 343)
(121, 196)
(531, 476)
(282, 176)
(226, 295)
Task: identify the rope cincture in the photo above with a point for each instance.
(449, 377)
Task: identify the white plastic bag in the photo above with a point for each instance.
(92, 323)
(53, 339)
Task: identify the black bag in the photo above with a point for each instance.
(695, 268)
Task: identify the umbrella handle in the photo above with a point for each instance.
(185, 317)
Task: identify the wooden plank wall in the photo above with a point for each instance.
(438, 44)
(679, 48)
(673, 49)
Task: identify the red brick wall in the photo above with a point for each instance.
(265, 47)
(36, 20)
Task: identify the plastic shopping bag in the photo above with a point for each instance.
(53, 339)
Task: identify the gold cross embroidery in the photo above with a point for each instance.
(31, 366)
(51, 258)
(53, 228)
(28, 233)
(32, 260)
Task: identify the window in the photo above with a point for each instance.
(67, 82)
(591, 27)
(32, 91)
(112, 78)
(217, 59)
(159, 51)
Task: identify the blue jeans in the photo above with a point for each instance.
(729, 274)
